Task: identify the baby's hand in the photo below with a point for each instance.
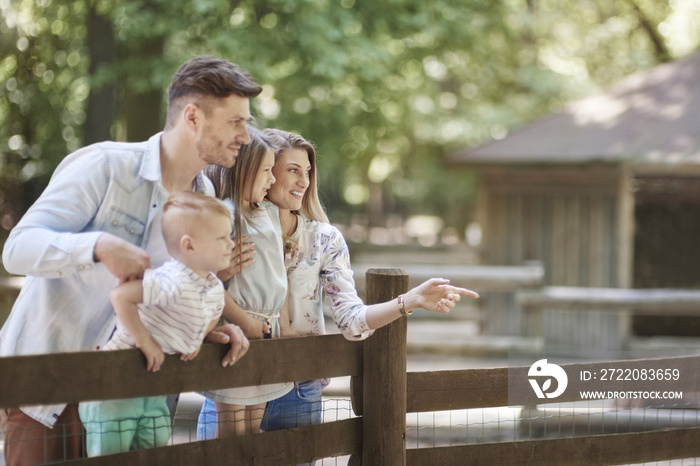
(154, 355)
(189, 357)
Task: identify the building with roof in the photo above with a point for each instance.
(605, 193)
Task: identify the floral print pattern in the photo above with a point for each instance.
(320, 278)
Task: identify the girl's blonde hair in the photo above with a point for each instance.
(311, 207)
(233, 183)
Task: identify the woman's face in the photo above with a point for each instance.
(292, 170)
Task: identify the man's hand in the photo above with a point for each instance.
(241, 257)
(233, 334)
(124, 260)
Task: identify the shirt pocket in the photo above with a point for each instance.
(124, 225)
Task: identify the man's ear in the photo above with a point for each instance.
(187, 244)
(192, 115)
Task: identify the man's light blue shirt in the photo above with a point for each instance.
(64, 306)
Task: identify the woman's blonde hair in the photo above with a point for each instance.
(232, 183)
(311, 207)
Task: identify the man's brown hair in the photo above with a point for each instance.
(206, 77)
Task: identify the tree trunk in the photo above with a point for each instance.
(660, 50)
(143, 113)
(101, 106)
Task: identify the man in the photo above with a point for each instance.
(97, 224)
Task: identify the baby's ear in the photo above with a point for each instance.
(186, 244)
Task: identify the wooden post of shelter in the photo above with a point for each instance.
(382, 400)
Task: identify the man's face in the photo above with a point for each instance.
(223, 131)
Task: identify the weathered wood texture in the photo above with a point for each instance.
(482, 388)
(599, 449)
(297, 445)
(459, 389)
(101, 375)
(384, 377)
(569, 219)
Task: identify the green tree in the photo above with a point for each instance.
(387, 90)
(44, 86)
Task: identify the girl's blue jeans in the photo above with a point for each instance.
(300, 407)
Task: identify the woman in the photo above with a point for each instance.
(318, 262)
(318, 268)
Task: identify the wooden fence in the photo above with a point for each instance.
(626, 302)
(382, 394)
(640, 301)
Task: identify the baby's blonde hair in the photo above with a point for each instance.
(183, 212)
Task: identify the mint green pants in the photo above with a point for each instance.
(115, 426)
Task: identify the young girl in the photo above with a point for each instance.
(320, 276)
(256, 295)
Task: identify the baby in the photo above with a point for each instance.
(169, 311)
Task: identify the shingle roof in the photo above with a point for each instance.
(651, 117)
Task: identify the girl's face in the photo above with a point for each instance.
(292, 171)
(263, 179)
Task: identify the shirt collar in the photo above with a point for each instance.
(210, 280)
(150, 165)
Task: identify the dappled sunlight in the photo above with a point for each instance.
(266, 102)
(599, 110)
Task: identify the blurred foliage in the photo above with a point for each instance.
(387, 90)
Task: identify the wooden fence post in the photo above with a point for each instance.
(384, 376)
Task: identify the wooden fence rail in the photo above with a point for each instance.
(382, 393)
(479, 277)
(639, 301)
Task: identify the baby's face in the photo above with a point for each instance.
(212, 243)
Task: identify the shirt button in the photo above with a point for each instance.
(132, 231)
(81, 267)
(58, 273)
(115, 223)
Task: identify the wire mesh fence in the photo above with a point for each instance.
(184, 424)
(185, 420)
(512, 424)
(492, 425)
